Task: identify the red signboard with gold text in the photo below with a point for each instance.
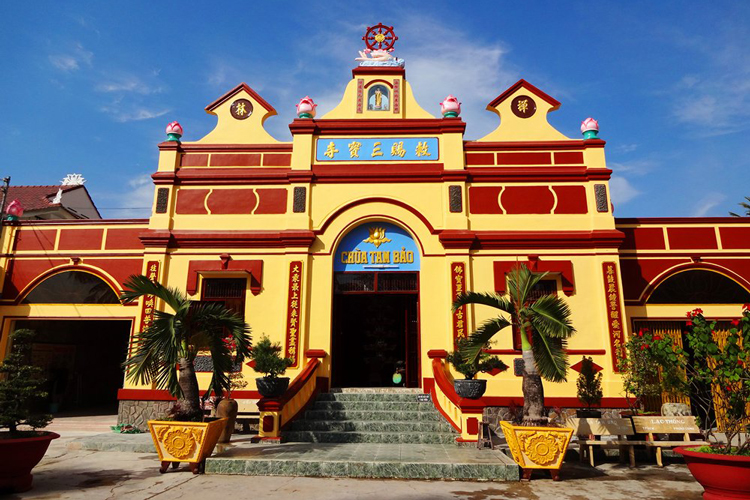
(614, 316)
(148, 304)
(293, 311)
(457, 288)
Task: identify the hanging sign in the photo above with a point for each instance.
(614, 317)
(358, 149)
(293, 312)
(377, 246)
(458, 280)
(148, 304)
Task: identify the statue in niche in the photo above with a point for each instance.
(377, 98)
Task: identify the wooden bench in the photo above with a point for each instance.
(684, 426)
(590, 432)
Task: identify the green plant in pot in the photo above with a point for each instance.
(469, 387)
(268, 361)
(21, 384)
(589, 389)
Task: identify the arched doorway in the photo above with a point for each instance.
(375, 328)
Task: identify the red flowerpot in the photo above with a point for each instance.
(18, 456)
(722, 476)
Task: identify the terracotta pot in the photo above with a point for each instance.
(469, 388)
(227, 408)
(190, 442)
(722, 476)
(18, 456)
(272, 387)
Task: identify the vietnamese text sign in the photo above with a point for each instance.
(377, 246)
(357, 149)
(293, 312)
(614, 316)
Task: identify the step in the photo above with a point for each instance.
(385, 461)
(369, 437)
(377, 390)
(372, 406)
(370, 396)
(370, 426)
(395, 415)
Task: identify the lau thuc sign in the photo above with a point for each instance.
(377, 246)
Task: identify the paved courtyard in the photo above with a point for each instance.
(74, 473)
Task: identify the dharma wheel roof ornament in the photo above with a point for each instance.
(379, 41)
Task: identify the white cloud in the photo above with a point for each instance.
(703, 206)
(622, 190)
(73, 60)
(65, 63)
(119, 115)
(128, 83)
(635, 167)
(625, 148)
(134, 202)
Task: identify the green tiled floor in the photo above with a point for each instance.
(375, 460)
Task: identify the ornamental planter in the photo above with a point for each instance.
(722, 476)
(470, 388)
(190, 442)
(18, 456)
(272, 387)
(537, 447)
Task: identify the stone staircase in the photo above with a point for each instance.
(371, 416)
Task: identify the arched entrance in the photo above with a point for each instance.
(375, 328)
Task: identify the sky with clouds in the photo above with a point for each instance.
(88, 87)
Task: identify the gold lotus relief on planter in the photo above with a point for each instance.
(537, 447)
(180, 442)
(188, 442)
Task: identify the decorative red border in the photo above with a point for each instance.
(523, 83)
(458, 280)
(293, 312)
(242, 86)
(614, 315)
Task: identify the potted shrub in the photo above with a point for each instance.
(268, 360)
(589, 389)
(713, 372)
(469, 387)
(640, 373)
(164, 355)
(544, 325)
(20, 384)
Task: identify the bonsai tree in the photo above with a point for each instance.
(589, 383)
(268, 360)
(20, 384)
(484, 363)
(544, 325)
(713, 372)
(164, 353)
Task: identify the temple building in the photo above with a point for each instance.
(349, 243)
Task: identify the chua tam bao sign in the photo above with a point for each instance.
(377, 246)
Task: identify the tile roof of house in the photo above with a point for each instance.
(36, 197)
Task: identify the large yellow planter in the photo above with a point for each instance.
(537, 447)
(190, 442)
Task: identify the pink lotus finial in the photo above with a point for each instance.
(590, 128)
(174, 131)
(306, 107)
(14, 209)
(450, 107)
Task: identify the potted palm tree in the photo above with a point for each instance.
(268, 360)
(469, 387)
(544, 325)
(21, 450)
(164, 354)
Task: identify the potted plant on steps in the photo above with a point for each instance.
(469, 387)
(713, 371)
(268, 360)
(589, 389)
(20, 384)
(544, 326)
(164, 354)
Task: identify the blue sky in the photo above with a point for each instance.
(88, 87)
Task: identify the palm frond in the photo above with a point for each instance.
(551, 317)
(521, 281)
(550, 357)
(491, 299)
(138, 285)
(481, 336)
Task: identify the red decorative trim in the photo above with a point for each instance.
(252, 267)
(533, 145)
(563, 267)
(279, 147)
(80, 239)
(537, 174)
(485, 200)
(572, 352)
(524, 84)
(643, 238)
(268, 423)
(379, 80)
(266, 404)
(288, 238)
(191, 201)
(441, 380)
(535, 158)
(562, 402)
(316, 353)
(362, 201)
(687, 266)
(464, 239)
(569, 158)
(527, 200)
(437, 354)
(271, 201)
(479, 158)
(681, 220)
(242, 86)
(735, 237)
(391, 126)
(404, 172)
(82, 222)
(277, 160)
(472, 425)
(577, 367)
(194, 160)
(570, 200)
(293, 319)
(231, 201)
(29, 240)
(458, 276)
(378, 70)
(235, 160)
(684, 238)
(99, 273)
(615, 319)
(144, 395)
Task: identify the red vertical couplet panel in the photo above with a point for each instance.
(148, 302)
(458, 279)
(293, 318)
(614, 316)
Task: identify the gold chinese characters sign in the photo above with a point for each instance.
(149, 301)
(614, 315)
(458, 280)
(354, 149)
(293, 312)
